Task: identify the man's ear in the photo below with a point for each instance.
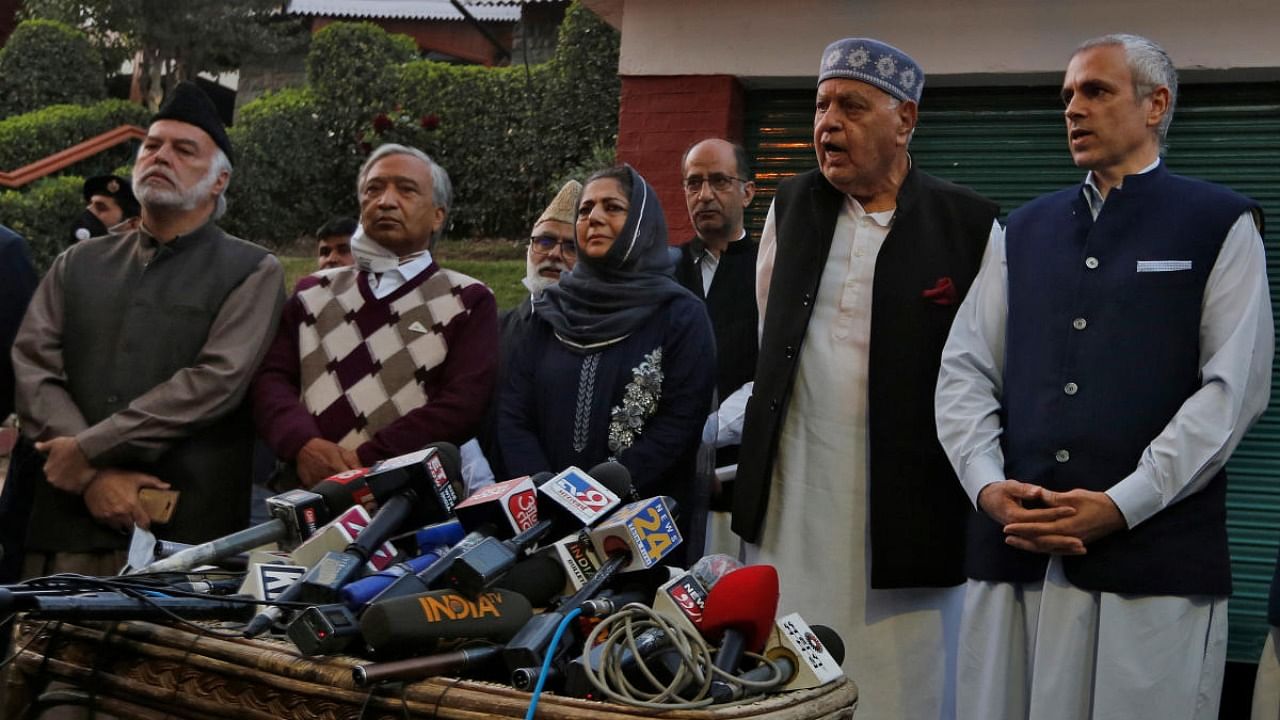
(441, 214)
(908, 116)
(748, 192)
(1159, 105)
(220, 185)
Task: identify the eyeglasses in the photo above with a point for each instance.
(719, 183)
(544, 244)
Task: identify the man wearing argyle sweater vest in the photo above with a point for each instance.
(382, 358)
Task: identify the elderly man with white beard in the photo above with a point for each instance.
(551, 252)
(135, 355)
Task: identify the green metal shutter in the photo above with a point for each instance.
(1010, 145)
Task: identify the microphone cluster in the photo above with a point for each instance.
(550, 581)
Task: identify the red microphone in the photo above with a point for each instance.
(739, 613)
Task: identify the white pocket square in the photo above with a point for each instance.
(1163, 265)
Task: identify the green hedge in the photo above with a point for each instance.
(43, 214)
(46, 63)
(29, 137)
(502, 133)
(288, 179)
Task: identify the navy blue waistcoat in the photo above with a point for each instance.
(1099, 357)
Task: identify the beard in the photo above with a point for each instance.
(174, 198)
(535, 281)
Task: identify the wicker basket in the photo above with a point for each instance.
(148, 671)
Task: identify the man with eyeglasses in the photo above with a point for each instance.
(842, 484)
(552, 251)
(719, 266)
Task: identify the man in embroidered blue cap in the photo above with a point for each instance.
(841, 482)
(1099, 568)
(135, 355)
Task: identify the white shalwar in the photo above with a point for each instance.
(1048, 650)
(899, 644)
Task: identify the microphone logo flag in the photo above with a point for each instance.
(444, 489)
(523, 507)
(267, 581)
(645, 529)
(353, 522)
(360, 492)
(511, 503)
(654, 532)
(809, 649)
(452, 606)
(579, 493)
(689, 595)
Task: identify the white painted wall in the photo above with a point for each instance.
(780, 41)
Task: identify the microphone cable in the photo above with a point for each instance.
(546, 661)
(696, 663)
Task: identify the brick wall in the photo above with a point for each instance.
(660, 117)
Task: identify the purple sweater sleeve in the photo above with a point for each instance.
(282, 419)
(457, 401)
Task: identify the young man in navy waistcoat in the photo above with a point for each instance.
(1114, 349)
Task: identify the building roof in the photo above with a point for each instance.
(502, 11)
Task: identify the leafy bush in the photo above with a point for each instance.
(289, 176)
(488, 139)
(31, 136)
(353, 68)
(45, 63)
(502, 133)
(43, 214)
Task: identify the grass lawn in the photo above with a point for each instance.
(497, 263)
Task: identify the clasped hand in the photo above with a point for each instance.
(1065, 524)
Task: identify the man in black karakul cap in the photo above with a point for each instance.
(134, 358)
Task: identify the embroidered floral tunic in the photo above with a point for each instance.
(641, 401)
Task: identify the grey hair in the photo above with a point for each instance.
(1150, 67)
(441, 185)
(220, 163)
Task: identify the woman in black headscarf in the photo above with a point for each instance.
(622, 363)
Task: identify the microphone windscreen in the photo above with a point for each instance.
(745, 600)
(614, 476)
(539, 579)
(420, 622)
(830, 639)
(710, 568)
(357, 594)
(451, 459)
(445, 533)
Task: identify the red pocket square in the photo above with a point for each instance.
(943, 293)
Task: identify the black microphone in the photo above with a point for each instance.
(117, 606)
(425, 479)
(483, 517)
(295, 515)
(803, 657)
(420, 668)
(329, 629)
(680, 600)
(298, 513)
(539, 578)
(636, 537)
(421, 622)
(567, 502)
(739, 614)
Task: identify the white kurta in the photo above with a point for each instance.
(900, 644)
(1049, 650)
